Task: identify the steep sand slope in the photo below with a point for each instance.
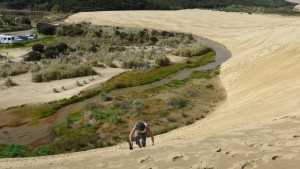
(258, 125)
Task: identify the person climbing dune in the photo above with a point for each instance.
(140, 131)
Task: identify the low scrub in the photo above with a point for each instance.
(62, 71)
(12, 150)
(190, 51)
(9, 83)
(13, 70)
(109, 114)
(177, 102)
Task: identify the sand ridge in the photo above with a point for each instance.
(258, 125)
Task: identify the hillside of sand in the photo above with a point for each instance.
(257, 127)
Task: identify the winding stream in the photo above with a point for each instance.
(27, 134)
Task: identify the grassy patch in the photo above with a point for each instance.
(136, 78)
(12, 150)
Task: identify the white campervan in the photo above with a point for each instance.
(7, 39)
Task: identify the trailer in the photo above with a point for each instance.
(6, 39)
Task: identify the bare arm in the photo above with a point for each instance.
(151, 135)
(131, 134)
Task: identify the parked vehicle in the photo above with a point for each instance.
(7, 39)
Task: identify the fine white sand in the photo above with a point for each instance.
(257, 127)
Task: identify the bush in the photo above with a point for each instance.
(33, 68)
(120, 105)
(177, 102)
(62, 71)
(33, 56)
(25, 20)
(93, 107)
(135, 64)
(196, 50)
(108, 114)
(9, 83)
(162, 61)
(42, 152)
(45, 28)
(192, 92)
(12, 150)
(61, 47)
(38, 48)
(70, 30)
(51, 54)
(55, 90)
(51, 48)
(137, 106)
(104, 96)
(13, 70)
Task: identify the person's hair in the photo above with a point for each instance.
(140, 126)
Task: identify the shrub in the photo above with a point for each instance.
(177, 102)
(42, 152)
(12, 150)
(135, 64)
(173, 117)
(192, 92)
(104, 96)
(137, 106)
(209, 86)
(70, 30)
(45, 28)
(33, 56)
(61, 47)
(162, 61)
(78, 83)
(62, 71)
(33, 68)
(120, 105)
(195, 50)
(51, 54)
(15, 123)
(9, 83)
(93, 107)
(51, 48)
(25, 20)
(55, 90)
(13, 70)
(38, 48)
(107, 114)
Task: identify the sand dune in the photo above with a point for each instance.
(257, 127)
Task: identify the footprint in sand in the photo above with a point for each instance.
(106, 165)
(148, 159)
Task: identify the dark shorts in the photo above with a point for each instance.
(138, 137)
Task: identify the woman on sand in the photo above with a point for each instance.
(140, 131)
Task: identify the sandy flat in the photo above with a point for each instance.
(14, 54)
(257, 126)
(28, 92)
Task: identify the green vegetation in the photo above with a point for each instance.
(9, 23)
(45, 28)
(135, 78)
(106, 123)
(266, 6)
(11, 151)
